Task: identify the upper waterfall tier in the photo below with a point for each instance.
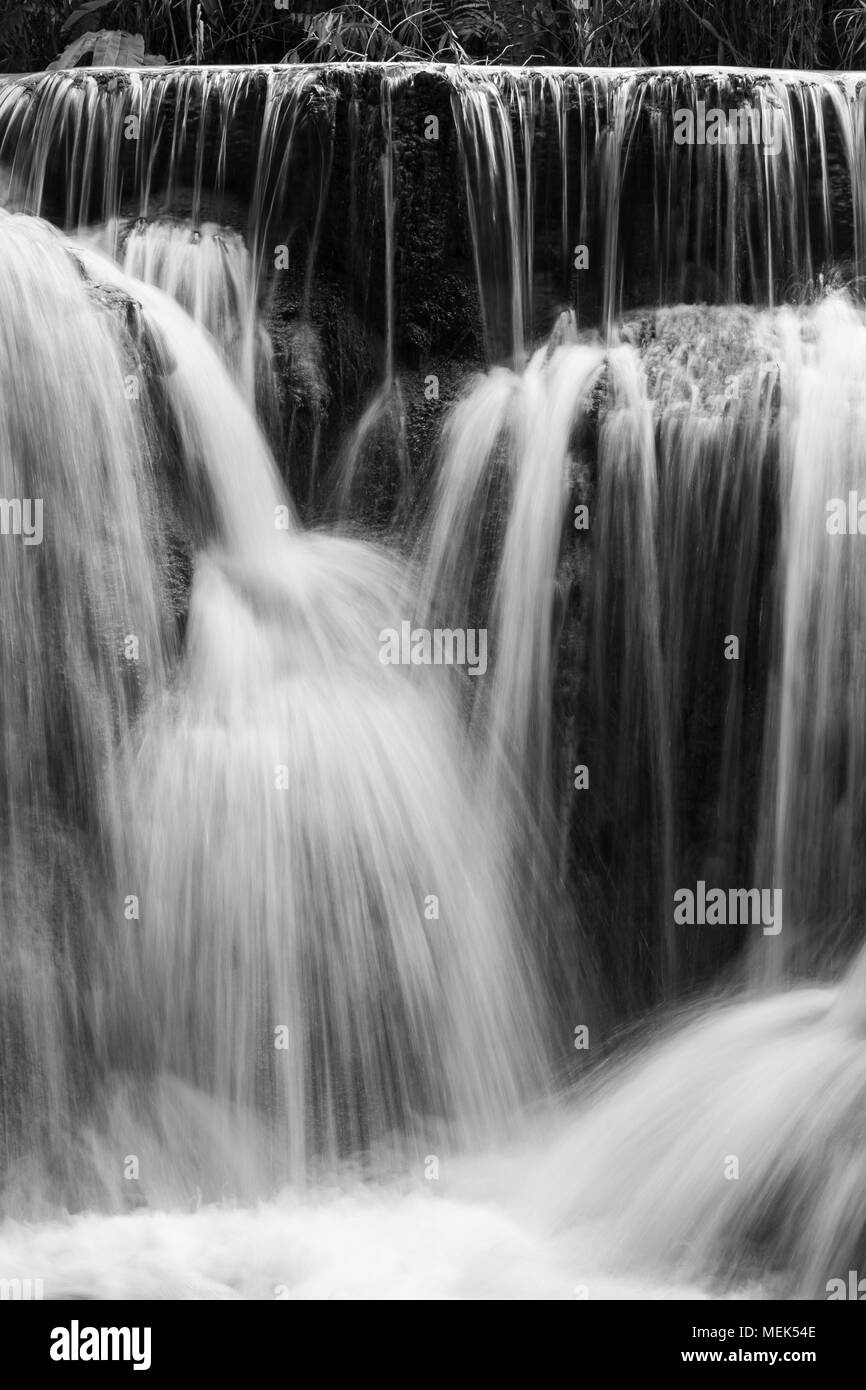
(602, 188)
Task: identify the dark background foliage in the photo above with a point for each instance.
(778, 33)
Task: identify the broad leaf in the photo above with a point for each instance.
(111, 48)
(90, 8)
(115, 49)
(71, 55)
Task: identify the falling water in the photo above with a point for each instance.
(209, 272)
(84, 642)
(320, 932)
(815, 808)
(433, 1024)
(725, 221)
(317, 825)
(380, 435)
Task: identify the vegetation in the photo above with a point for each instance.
(761, 33)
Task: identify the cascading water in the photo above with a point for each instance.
(209, 272)
(321, 930)
(814, 803)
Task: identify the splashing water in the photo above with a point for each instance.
(733, 1152)
(318, 827)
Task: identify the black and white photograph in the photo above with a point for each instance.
(433, 666)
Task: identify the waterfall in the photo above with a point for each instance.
(381, 431)
(209, 272)
(726, 219)
(301, 799)
(814, 810)
(347, 933)
(430, 531)
(84, 643)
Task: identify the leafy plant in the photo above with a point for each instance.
(759, 33)
(382, 32)
(107, 48)
(91, 8)
(849, 27)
